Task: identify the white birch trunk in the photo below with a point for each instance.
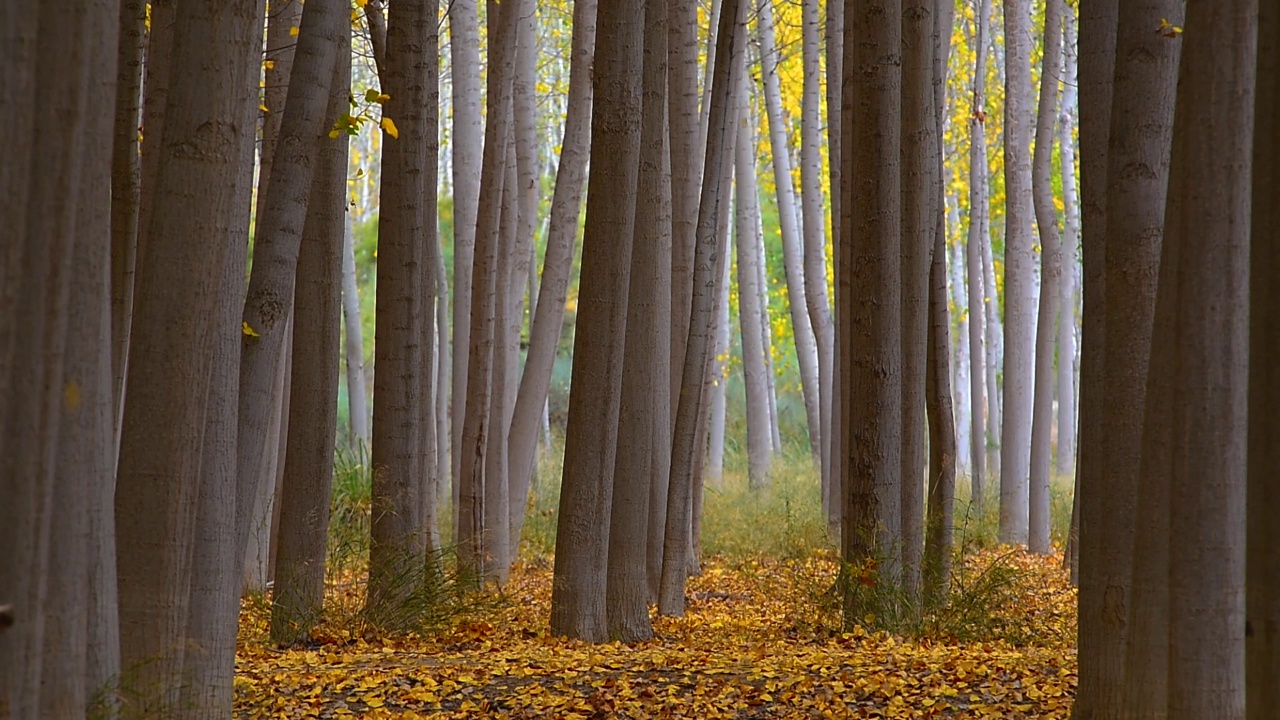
(357, 395)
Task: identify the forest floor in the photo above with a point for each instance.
(761, 639)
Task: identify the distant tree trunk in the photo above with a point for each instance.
(1070, 245)
(1262, 624)
(792, 242)
(357, 395)
(398, 547)
(1019, 283)
(126, 188)
(196, 195)
(869, 293)
(468, 133)
(688, 434)
(815, 231)
(919, 212)
(644, 434)
(960, 366)
(298, 597)
(754, 367)
(720, 378)
(766, 328)
(269, 302)
(833, 474)
(994, 350)
(1101, 648)
(578, 607)
(1050, 278)
(557, 264)
(979, 233)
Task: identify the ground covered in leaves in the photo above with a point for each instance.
(760, 640)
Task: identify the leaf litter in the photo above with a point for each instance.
(756, 642)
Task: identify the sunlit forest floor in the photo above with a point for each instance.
(761, 639)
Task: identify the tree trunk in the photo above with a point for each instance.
(688, 143)
(126, 189)
(157, 68)
(1066, 460)
(869, 297)
(269, 301)
(833, 473)
(792, 242)
(1019, 283)
(464, 64)
(557, 264)
(298, 597)
(979, 233)
(754, 365)
(260, 502)
(719, 390)
(994, 350)
(357, 395)
(688, 434)
(1101, 648)
(476, 423)
(919, 209)
(644, 435)
(83, 471)
(578, 608)
(815, 230)
(1262, 624)
(196, 196)
(1050, 278)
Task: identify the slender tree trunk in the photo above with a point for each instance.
(834, 474)
(870, 301)
(719, 389)
(754, 365)
(476, 423)
(357, 395)
(298, 597)
(960, 365)
(398, 548)
(792, 242)
(1262, 624)
(156, 71)
(195, 198)
(688, 435)
(468, 132)
(1201, 339)
(259, 503)
(578, 607)
(269, 302)
(1066, 460)
(979, 212)
(557, 264)
(919, 210)
(815, 231)
(1101, 648)
(688, 143)
(644, 434)
(126, 187)
(766, 328)
(1019, 283)
(994, 349)
(1050, 278)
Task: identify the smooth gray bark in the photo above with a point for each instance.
(833, 475)
(688, 434)
(357, 394)
(1067, 317)
(755, 369)
(1050, 279)
(979, 235)
(557, 264)
(1019, 283)
(792, 241)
